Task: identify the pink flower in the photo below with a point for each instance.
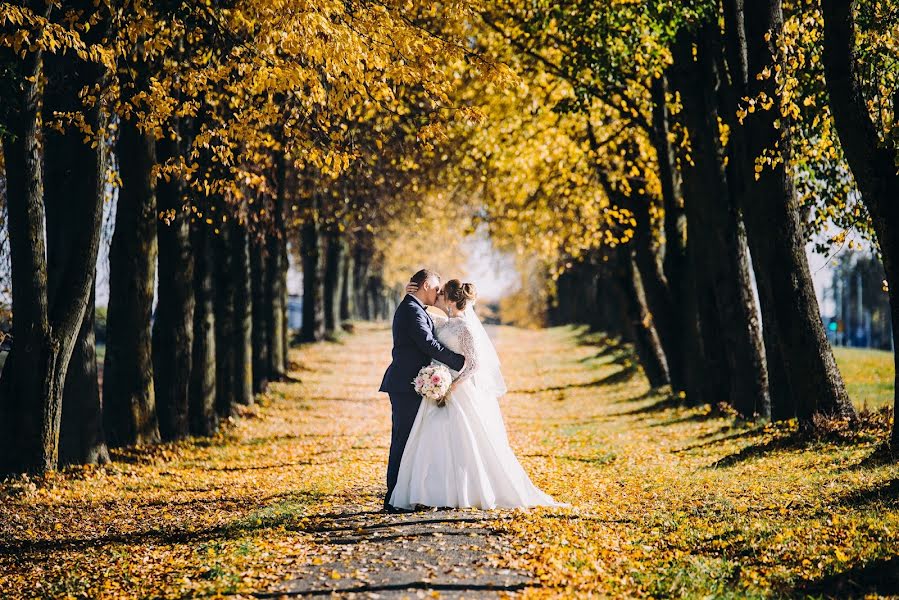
(435, 378)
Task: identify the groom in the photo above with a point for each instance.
(414, 345)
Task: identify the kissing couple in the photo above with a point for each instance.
(457, 454)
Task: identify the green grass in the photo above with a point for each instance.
(868, 374)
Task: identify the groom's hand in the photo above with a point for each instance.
(411, 288)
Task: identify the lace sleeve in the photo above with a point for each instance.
(466, 341)
(439, 321)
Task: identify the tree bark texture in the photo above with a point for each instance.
(716, 229)
(202, 410)
(173, 327)
(873, 164)
(804, 377)
(128, 386)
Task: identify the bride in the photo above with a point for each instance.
(458, 455)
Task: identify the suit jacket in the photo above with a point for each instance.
(414, 345)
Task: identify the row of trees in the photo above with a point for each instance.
(728, 134)
(644, 159)
(227, 136)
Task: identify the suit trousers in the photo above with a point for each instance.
(404, 408)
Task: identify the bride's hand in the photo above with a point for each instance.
(411, 288)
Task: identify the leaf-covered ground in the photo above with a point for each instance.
(666, 501)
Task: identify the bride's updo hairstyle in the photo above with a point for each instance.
(460, 294)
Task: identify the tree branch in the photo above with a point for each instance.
(556, 70)
(870, 162)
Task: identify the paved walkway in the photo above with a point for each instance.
(358, 551)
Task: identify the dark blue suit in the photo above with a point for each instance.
(414, 345)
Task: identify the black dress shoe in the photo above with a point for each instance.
(395, 510)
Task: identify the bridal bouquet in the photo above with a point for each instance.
(433, 382)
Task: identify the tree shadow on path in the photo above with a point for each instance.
(665, 402)
(796, 440)
(718, 440)
(279, 510)
(622, 375)
(885, 493)
(878, 577)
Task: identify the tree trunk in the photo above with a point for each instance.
(658, 297)
(705, 347)
(347, 288)
(701, 385)
(741, 171)
(582, 295)
(720, 240)
(203, 417)
(22, 401)
(128, 390)
(360, 278)
(587, 295)
(285, 331)
(617, 305)
(376, 294)
(675, 259)
(223, 291)
(277, 309)
(81, 437)
(243, 316)
(645, 338)
(68, 312)
(802, 370)
(873, 164)
(173, 328)
(687, 369)
(333, 284)
(560, 312)
(660, 304)
(313, 282)
(569, 288)
(72, 172)
(46, 325)
(286, 177)
(261, 312)
(607, 318)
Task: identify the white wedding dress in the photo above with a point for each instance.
(459, 455)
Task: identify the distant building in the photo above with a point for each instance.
(854, 302)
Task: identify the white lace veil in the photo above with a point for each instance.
(489, 376)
